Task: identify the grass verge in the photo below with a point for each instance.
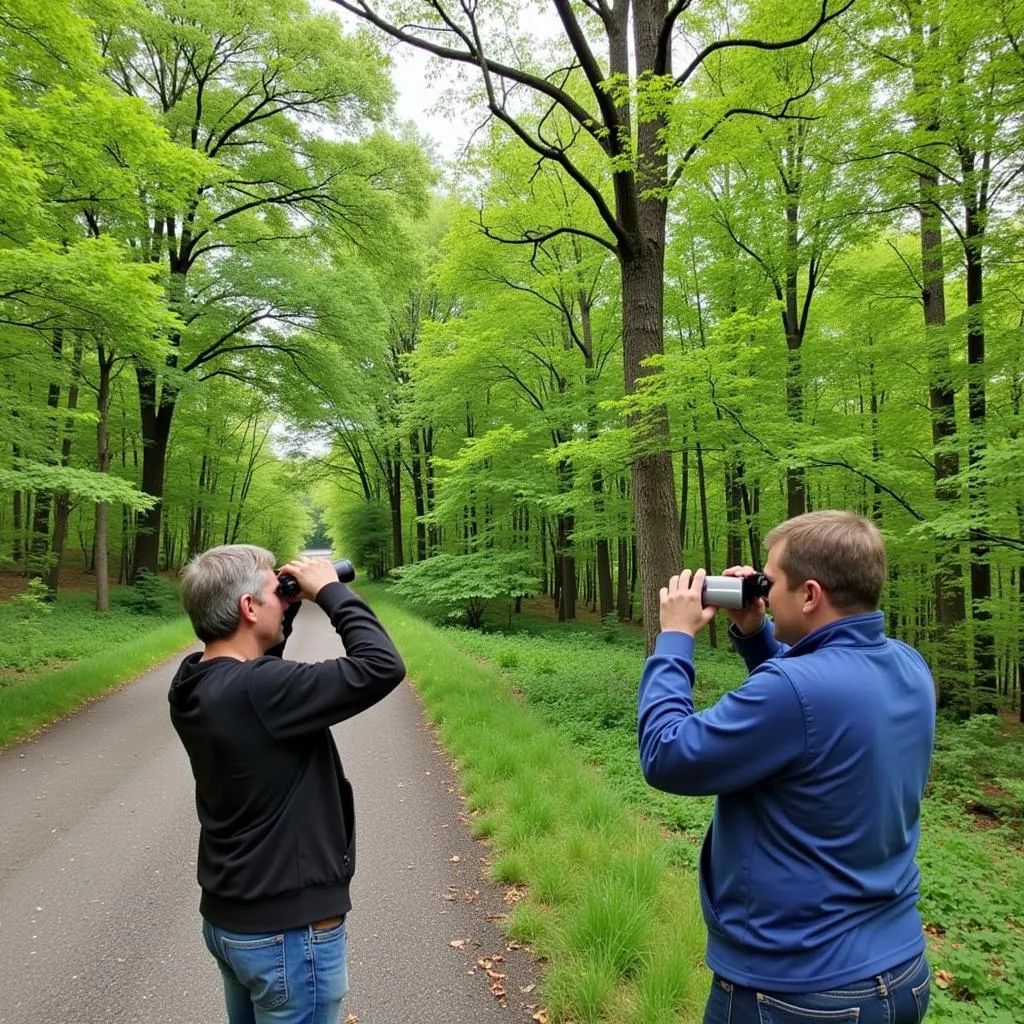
(619, 926)
(583, 683)
(35, 700)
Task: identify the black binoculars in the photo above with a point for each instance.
(288, 586)
(734, 591)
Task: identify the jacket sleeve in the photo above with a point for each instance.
(751, 734)
(294, 698)
(756, 648)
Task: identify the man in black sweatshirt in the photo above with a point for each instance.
(277, 827)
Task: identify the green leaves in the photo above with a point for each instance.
(467, 582)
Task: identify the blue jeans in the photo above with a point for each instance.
(899, 996)
(294, 977)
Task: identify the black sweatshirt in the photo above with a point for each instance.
(277, 825)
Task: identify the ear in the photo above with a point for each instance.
(246, 609)
(814, 596)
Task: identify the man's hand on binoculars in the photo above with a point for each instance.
(750, 619)
(312, 574)
(681, 608)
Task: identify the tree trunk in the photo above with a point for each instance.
(684, 493)
(733, 513)
(705, 529)
(157, 414)
(796, 476)
(654, 498)
(948, 634)
(622, 582)
(103, 466)
(62, 508)
(394, 475)
(40, 539)
(416, 467)
(986, 695)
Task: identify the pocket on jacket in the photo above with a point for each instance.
(259, 965)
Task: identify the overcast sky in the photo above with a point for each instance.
(419, 95)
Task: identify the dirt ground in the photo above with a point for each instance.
(13, 583)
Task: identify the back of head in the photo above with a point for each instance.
(842, 551)
(214, 582)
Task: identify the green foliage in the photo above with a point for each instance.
(364, 535)
(972, 891)
(149, 595)
(30, 702)
(466, 583)
(49, 634)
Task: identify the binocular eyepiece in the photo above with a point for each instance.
(734, 591)
(288, 586)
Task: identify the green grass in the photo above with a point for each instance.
(600, 900)
(59, 656)
(582, 682)
(43, 636)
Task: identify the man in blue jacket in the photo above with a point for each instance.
(819, 760)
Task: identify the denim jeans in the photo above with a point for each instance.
(293, 977)
(899, 996)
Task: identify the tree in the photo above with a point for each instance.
(632, 93)
(262, 91)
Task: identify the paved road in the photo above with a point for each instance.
(98, 899)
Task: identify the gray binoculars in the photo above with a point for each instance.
(734, 591)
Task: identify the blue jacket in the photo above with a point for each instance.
(819, 760)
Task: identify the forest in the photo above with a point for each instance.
(693, 268)
(700, 267)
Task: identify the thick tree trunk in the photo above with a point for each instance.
(654, 498)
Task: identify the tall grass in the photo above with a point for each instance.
(618, 924)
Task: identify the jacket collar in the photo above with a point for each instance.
(849, 631)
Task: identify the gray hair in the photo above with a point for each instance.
(214, 582)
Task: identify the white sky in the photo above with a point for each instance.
(420, 81)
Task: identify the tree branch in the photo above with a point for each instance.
(760, 44)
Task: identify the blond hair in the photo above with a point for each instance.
(842, 551)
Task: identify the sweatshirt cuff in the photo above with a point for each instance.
(675, 644)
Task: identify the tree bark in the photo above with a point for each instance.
(705, 528)
(948, 633)
(62, 507)
(157, 414)
(986, 695)
(100, 527)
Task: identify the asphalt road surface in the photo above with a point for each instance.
(99, 903)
